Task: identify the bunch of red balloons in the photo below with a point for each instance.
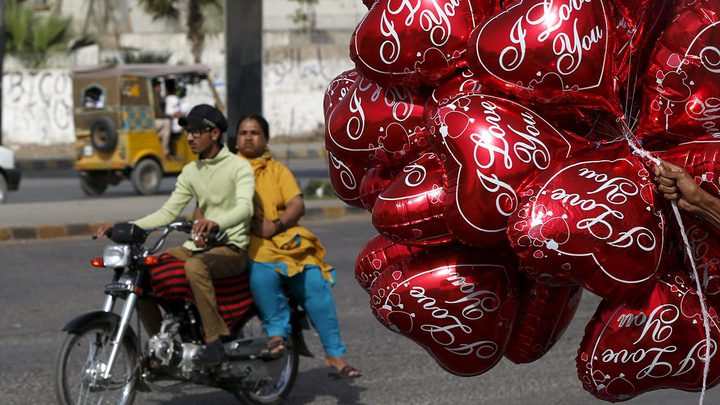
(490, 140)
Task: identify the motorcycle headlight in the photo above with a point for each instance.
(116, 255)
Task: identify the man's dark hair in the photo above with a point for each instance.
(260, 119)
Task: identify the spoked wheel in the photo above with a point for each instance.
(82, 361)
(275, 391)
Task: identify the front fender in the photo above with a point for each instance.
(76, 325)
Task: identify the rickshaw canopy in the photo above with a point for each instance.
(139, 70)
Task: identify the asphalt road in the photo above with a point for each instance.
(64, 185)
(43, 284)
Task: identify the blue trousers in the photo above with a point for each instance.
(311, 291)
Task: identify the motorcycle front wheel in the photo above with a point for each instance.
(275, 391)
(82, 361)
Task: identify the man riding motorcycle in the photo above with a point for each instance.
(223, 186)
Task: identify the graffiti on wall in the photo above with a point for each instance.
(293, 89)
(37, 107)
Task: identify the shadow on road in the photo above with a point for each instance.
(312, 386)
(317, 382)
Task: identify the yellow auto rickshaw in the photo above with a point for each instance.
(115, 125)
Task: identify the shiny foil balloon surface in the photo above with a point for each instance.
(592, 221)
(494, 146)
(657, 343)
(338, 89)
(544, 312)
(682, 85)
(374, 182)
(345, 180)
(463, 83)
(555, 52)
(701, 159)
(375, 126)
(411, 209)
(381, 253)
(416, 41)
(458, 306)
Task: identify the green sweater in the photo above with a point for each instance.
(223, 187)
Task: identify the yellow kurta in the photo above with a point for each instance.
(295, 248)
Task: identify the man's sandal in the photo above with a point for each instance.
(276, 348)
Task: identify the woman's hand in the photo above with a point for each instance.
(677, 185)
(264, 228)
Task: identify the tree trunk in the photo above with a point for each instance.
(196, 31)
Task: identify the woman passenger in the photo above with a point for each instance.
(281, 251)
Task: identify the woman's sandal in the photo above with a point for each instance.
(346, 372)
(276, 348)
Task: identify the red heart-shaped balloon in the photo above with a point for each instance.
(381, 253)
(338, 89)
(657, 343)
(705, 250)
(345, 180)
(701, 159)
(374, 182)
(459, 306)
(549, 52)
(463, 83)
(494, 146)
(593, 221)
(544, 312)
(410, 210)
(683, 78)
(373, 126)
(409, 42)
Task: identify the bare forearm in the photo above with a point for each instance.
(709, 209)
(294, 210)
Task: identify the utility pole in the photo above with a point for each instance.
(2, 57)
(243, 69)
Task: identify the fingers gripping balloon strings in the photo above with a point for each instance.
(630, 138)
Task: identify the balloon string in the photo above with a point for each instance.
(706, 322)
(688, 251)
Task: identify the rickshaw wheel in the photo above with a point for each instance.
(146, 177)
(93, 183)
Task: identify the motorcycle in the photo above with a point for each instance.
(103, 360)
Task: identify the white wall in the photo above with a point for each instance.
(37, 106)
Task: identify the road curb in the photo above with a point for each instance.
(56, 231)
(45, 164)
(281, 153)
(67, 163)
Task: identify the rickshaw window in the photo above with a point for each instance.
(94, 97)
(131, 90)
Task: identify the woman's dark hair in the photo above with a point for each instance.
(260, 120)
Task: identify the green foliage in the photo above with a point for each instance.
(133, 55)
(33, 38)
(202, 18)
(318, 189)
(305, 14)
(162, 9)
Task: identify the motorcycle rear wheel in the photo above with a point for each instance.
(83, 357)
(275, 392)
